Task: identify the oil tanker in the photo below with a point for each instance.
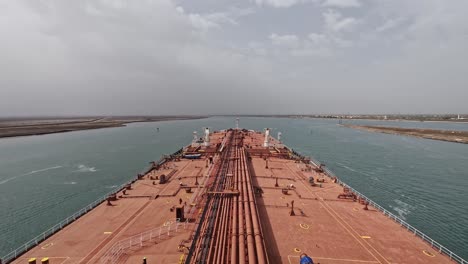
(233, 196)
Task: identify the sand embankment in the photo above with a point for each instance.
(444, 135)
(36, 126)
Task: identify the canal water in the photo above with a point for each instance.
(44, 179)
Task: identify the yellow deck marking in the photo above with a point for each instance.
(297, 250)
(50, 258)
(336, 216)
(355, 209)
(168, 223)
(429, 254)
(47, 245)
(305, 226)
(107, 232)
(365, 237)
(344, 222)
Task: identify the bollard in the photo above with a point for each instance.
(32, 261)
(144, 260)
(45, 261)
(291, 213)
(365, 205)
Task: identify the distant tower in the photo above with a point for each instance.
(237, 123)
(266, 142)
(279, 137)
(207, 137)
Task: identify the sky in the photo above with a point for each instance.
(170, 57)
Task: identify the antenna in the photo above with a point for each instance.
(237, 123)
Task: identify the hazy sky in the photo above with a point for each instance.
(112, 57)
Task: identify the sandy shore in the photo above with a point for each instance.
(11, 127)
(444, 135)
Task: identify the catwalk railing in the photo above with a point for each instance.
(49, 232)
(434, 244)
(140, 240)
(54, 229)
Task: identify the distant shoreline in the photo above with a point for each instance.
(11, 127)
(370, 118)
(442, 135)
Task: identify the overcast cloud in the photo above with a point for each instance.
(114, 57)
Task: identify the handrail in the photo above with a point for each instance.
(49, 232)
(54, 229)
(113, 254)
(416, 232)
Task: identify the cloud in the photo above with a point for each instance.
(312, 52)
(202, 22)
(257, 48)
(205, 22)
(137, 59)
(318, 39)
(145, 57)
(289, 41)
(390, 24)
(280, 3)
(341, 3)
(334, 21)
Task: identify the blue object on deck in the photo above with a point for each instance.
(306, 260)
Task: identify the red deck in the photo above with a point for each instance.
(329, 229)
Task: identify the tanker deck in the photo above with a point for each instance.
(237, 196)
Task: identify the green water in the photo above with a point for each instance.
(44, 179)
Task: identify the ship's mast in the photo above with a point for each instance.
(207, 137)
(266, 142)
(195, 137)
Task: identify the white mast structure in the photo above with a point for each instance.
(266, 142)
(195, 137)
(207, 137)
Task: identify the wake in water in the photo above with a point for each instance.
(84, 168)
(403, 209)
(353, 170)
(29, 173)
